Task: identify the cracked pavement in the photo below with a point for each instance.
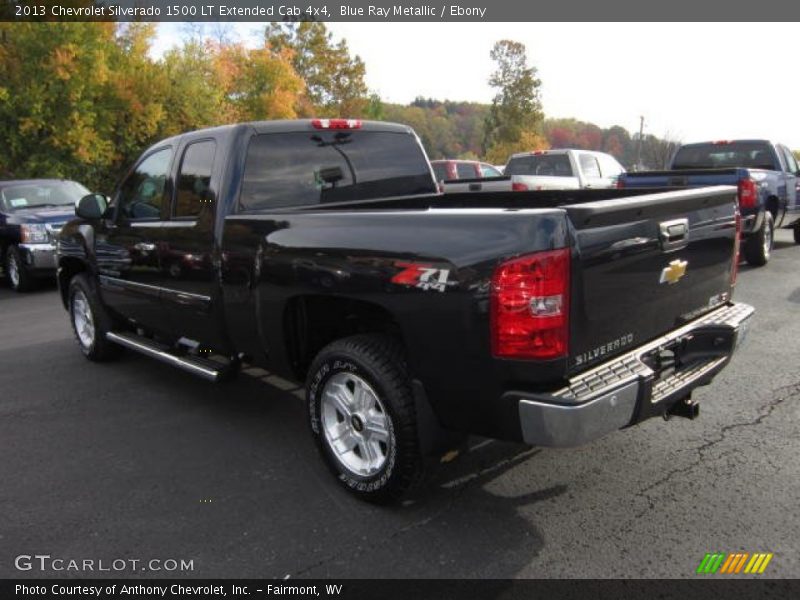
(136, 460)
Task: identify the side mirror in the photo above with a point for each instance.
(91, 207)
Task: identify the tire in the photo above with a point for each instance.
(362, 416)
(758, 247)
(90, 321)
(796, 230)
(18, 278)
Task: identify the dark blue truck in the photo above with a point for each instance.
(766, 175)
(32, 212)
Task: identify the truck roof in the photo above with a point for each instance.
(294, 125)
(722, 142)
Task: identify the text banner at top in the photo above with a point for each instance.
(389, 11)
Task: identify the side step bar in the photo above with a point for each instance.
(196, 366)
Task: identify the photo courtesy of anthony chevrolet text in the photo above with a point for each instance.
(400, 300)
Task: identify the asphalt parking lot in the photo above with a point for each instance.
(135, 460)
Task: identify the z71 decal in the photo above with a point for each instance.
(423, 276)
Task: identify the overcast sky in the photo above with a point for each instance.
(692, 81)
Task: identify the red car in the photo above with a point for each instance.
(462, 169)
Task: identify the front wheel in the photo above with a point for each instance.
(18, 277)
(90, 321)
(362, 416)
(758, 247)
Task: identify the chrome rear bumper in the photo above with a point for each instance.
(625, 390)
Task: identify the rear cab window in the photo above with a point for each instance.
(465, 171)
(194, 180)
(306, 168)
(723, 155)
(548, 165)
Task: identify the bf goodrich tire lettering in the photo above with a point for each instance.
(361, 413)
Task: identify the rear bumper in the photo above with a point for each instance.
(627, 390)
(38, 257)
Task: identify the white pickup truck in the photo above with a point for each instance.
(563, 169)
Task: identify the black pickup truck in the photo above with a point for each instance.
(322, 251)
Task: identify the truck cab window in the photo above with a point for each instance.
(141, 195)
(465, 170)
(589, 166)
(300, 169)
(194, 179)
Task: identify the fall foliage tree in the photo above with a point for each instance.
(334, 79)
(516, 110)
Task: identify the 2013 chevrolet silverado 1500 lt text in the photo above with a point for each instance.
(321, 250)
(767, 177)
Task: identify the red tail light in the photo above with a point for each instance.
(530, 306)
(736, 244)
(620, 183)
(518, 187)
(748, 193)
(336, 123)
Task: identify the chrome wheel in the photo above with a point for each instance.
(356, 425)
(82, 319)
(767, 240)
(13, 269)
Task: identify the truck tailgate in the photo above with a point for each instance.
(683, 178)
(645, 265)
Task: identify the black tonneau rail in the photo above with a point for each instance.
(507, 200)
(620, 210)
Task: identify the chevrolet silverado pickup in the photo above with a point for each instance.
(766, 175)
(32, 211)
(322, 251)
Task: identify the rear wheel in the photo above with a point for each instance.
(362, 416)
(90, 321)
(758, 247)
(797, 233)
(18, 277)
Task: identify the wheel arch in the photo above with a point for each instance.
(311, 322)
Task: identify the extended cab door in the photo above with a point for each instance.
(128, 249)
(188, 249)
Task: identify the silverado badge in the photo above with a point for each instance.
(674, 271)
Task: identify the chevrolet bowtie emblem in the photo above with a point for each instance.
(673, 272)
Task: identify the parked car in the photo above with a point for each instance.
(330, 258)
(564, 169)
(765, 173)
(445, 170)
(457, 176)
(32, 212)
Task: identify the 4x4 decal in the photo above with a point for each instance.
(422, 275)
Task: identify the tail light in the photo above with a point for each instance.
(748, 193)
(336, 123)
(518, 187)
(620, 183)
(529, 308)
(736, 244)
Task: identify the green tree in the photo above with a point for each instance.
(334, 80)
(516, 108)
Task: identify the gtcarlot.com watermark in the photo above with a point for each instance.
(48, 563)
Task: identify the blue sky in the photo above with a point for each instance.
(691, 81)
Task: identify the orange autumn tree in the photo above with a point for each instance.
(256, 84)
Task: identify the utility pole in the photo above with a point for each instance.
(639, 145)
